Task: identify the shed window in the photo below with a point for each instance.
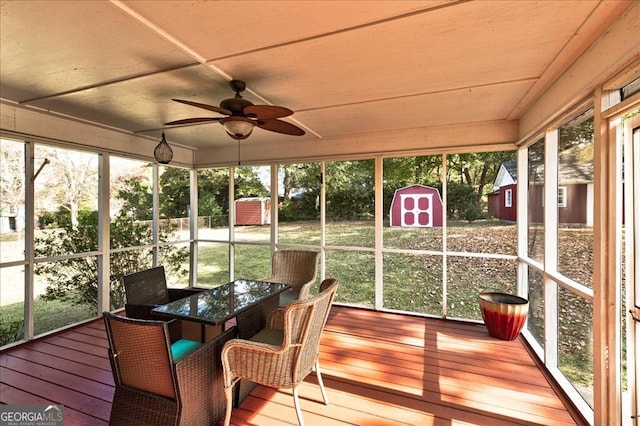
(562, 196)
(507, 197)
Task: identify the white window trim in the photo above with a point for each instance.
(562, 196)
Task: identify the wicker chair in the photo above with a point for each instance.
(159, 383)
(298, 268)
(147, 289)
(284, 353)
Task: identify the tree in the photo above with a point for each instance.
(579, 131)
(137, 198)
(76, 279)
(461, 198)
(213, 192)
(70, 180)
(468, 177)
(248, 184)
(175, 195)
(11, 176)
(350, 189)
(289, 177)
(306, 178)
(299, 176)
(476, 169)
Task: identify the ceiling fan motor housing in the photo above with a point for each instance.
(236, 105)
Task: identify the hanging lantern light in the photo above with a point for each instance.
(163, 152)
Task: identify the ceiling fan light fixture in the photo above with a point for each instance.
(163, 152)
(242, 115)
(238, 127)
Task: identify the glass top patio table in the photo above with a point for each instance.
(222, 303)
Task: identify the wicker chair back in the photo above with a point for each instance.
(148, 287)
(141, 354)
(294, 267)
(308, 319)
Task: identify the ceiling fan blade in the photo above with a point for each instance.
(280, 126)
(194, 120)
(205, 106)
(266, 112)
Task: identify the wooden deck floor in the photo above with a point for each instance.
(379, 369)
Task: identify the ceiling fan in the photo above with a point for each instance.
(241, 115)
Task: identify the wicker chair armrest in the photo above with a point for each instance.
(199, 377)
(140, 311)
(133, 310)
(175, 329)
(180, 293)
(276, 319)
(305, 290)
(254, 361)
(249, 345)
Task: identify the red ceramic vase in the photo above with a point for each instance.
(503, 314)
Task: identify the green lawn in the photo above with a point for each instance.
(48, 315)
(412, 282)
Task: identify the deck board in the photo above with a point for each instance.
(379, 369)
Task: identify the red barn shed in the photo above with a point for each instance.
(253, 211)
(502, 202)
(416, 206)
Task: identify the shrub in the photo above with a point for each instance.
(75, 280)
(11, 331)
(287, 212)
(472, 213)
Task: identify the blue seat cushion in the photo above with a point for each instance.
(182, 348)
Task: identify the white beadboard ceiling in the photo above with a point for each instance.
(344, 67)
